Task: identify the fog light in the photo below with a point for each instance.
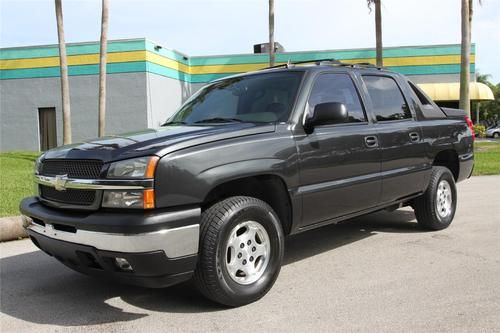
(123, 264)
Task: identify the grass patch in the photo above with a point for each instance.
(16, 180)
(486, 158)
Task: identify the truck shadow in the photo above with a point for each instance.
(37, 289)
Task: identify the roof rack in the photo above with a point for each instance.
(329, 61)
(367, 65)
(316, 61)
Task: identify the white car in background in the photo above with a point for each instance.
(493, 132)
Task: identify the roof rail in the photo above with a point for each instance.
(367, 65)
(315, 61)
(329, 61)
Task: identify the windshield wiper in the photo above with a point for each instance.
(174, 123)
(219, 120)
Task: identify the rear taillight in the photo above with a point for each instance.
(471, 126)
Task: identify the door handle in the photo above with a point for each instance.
(371, 141)
(414, 137)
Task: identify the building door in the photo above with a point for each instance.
(47, 128)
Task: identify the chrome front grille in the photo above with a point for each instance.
(71, 169)
(83, 169)
(69, 196)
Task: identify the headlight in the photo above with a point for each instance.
(135, 168)
(142, 167)
(142, 199)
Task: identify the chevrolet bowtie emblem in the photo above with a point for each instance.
(60, 182)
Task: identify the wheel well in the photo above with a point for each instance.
(268, 188)
(448, 159)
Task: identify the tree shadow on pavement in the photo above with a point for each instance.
(36, 288)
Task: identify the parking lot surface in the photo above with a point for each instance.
(377, 273)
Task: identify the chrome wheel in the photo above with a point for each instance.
(248, 251)
(444, 199)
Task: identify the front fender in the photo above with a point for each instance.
(186, 177)
(266, 166)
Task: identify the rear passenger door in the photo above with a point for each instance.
(404, 161)
(339, 164)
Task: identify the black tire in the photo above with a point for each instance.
(212, 277)
(428, 214)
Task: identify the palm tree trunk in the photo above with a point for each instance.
(63, 64)
(102, 67)
(378, 33)
(271, 32)
(465, 58)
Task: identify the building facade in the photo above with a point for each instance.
(147, 83)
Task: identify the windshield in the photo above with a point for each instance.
(261, 98)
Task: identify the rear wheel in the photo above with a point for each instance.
(241, 250)
(435, 209)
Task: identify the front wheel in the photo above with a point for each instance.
(435, 209)
(496, 135)
(241, 250)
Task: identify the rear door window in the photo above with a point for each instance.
(387, 99)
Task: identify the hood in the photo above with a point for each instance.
(159, 141)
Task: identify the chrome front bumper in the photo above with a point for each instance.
(174, 242)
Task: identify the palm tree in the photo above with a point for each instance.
(483, 78)
(63, 64)
(102, 67)
(464, 102)
(467, 10)
(378, 29)
(271, 33)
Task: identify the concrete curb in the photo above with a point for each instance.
(11, 228)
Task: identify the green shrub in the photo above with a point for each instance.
(480, 131)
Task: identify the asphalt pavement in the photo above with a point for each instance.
(377, 273)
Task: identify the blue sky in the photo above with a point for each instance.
(224, 26)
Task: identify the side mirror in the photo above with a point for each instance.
(327, 114)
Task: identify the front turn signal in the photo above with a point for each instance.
(149, 199)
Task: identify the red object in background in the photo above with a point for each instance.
(471, 126)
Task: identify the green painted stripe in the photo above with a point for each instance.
(142, 66)
(123, 67)
(191, 78)
(168, 72)
(29, 73)
(71, 49)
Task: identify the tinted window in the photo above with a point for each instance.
(387, 100)
(427, 108)
(254, 98)
(420, 95)
(337, 88)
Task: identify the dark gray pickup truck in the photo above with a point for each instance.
(246, 161)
